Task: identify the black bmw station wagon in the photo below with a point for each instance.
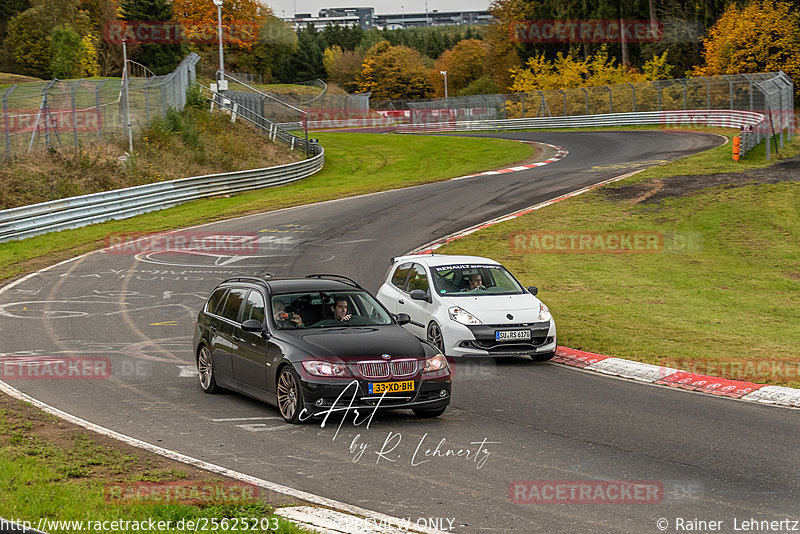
(314, 346)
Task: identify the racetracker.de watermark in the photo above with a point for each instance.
(166, 32)
(55, 368)
(182, 492)
(737, 369)
(603, 242)
(586, 492)
(184, 242)
(586, 31)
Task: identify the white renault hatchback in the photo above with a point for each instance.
(469, 306)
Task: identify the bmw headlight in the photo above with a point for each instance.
(437, 363)
(318, 368)
(460, 315)
(544, 313)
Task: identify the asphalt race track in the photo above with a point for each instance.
(716, 459)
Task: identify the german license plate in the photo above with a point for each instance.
(511, 335)
(391, 387)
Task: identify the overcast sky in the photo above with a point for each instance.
(285, 8)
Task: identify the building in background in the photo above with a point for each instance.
(367, 19)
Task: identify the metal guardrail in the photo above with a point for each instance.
(770, 94)
(74, 212)
(755, 126)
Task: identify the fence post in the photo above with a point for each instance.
(708, 94)
(683, 85)
(633, 94)
(658, 95)
(100, 117)
(780, 124)
(73, 90)
(610, 103)
(564, 97)
(586, 94)
(42, 107)
(5, 119)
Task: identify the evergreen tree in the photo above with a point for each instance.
(160, 58)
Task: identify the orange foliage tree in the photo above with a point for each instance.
(762, 36)
(241, 20)
(464, 63)
(394, 72)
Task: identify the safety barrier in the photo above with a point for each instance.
(755, 127)
(74, 212)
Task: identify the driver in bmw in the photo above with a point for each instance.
(339, 309)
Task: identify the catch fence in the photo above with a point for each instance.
(770, 95)
(62, 113)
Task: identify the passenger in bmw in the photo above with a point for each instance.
(283, 318)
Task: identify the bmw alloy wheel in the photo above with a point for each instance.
(290, 398)
(205, 369)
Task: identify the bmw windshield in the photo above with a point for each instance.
(321, 309)
(474, 279)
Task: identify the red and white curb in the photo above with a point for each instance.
(428, 248)
(643, 372)
(668, 376)
(561, 152)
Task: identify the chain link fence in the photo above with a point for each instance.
(76, 113)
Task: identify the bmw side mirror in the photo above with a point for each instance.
(419, 294)
(252, 325)
(533, 290)
(404, 318)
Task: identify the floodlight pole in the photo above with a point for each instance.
(218, 3)
(444, 73)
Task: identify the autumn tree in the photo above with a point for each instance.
(29, 33)
(276, 42)
(342, 66)
(570, 71)
(241, 24)
(464, 63)
(394, 72)
(762, 36)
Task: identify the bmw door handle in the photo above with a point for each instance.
(212, 328)
(237, 339)
(401, 301)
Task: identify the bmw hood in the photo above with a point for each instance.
(494, 309)
(359, 341)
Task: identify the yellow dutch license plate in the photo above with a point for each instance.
(391, 387)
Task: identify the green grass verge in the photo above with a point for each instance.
(355, 164)
(723, 304)
(49, 469)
